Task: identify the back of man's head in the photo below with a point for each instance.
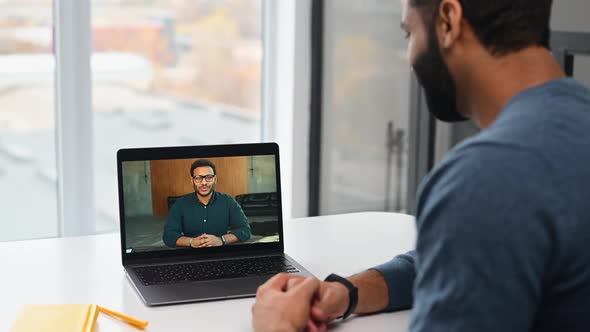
(502, 26)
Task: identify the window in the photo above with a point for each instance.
(27, 121)
(163, 72)
(366, 103)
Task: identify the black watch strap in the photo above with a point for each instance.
(353, 293)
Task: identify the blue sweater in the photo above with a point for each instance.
(504, 224)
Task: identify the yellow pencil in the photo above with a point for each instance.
(140, 324)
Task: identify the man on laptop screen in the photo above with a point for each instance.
(205, 218)
(227, 200)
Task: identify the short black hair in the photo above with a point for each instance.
(502, 26)
(203, 163)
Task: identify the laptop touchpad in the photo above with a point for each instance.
(223, 288)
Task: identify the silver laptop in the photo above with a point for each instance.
(201, 223)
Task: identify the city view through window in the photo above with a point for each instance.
(164, 72)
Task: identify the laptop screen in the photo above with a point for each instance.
(199, 203)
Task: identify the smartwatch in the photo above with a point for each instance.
(223, 240)
(353, 293)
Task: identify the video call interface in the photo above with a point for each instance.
(190, 204)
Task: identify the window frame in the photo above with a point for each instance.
(286, 96)
(74, 127)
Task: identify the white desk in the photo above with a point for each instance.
(88, 270)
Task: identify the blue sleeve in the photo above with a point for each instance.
(238, 222)
(399, 274)
(173, 227)
(484, 239)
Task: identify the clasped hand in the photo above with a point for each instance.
(206, 240)
(290, 302)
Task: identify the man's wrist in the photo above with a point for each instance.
(190, 242)
(352, 293)
(346, 302)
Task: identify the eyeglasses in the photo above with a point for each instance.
(207, 178)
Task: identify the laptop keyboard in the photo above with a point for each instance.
(213, 270)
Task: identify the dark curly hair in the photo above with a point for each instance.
(203, 163)
(502, 26)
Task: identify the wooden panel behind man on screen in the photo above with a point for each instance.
(171, 178)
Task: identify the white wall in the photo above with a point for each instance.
(571, 15)
(574, 16)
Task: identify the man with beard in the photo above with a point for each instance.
(503, 221)
(205, 218)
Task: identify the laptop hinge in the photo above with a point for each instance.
(220, 256)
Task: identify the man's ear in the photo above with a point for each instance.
(448, 23)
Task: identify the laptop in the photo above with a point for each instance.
(201, 223)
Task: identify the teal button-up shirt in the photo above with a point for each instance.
(189, 217)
